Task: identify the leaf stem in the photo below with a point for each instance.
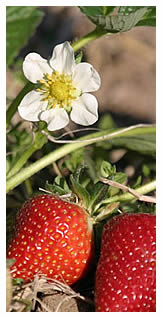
(95, 34)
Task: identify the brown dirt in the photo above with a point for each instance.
(62, 303)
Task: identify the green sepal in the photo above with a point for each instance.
(98, 193)
(59, 186)
(79, 57)
(80, 191)
(39, 140)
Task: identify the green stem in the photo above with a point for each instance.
(151, 186)
(14, 105)
(42, 163)
(68, 148)
(38, 141)
(95, 34)
(21, 161)
(28, 185)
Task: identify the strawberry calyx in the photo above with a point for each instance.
(98, 199)
(87, 193)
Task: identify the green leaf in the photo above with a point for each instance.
(108, 10)
(107, 169)
(126, 10)
(21, 23)
(94, 11)
(26, 147)
(146, 170)
(119, 22)
(75, 159)
(149, 18)
(137, 183)
(145, 144)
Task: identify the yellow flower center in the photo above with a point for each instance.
(58, 89)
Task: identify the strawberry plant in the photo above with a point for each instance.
(80, 203)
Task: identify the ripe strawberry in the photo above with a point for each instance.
(53, 237)
(126, 272)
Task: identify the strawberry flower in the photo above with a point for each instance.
(62, 89)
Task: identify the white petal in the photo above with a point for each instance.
(35, 67)
(86, 77)
(31, 106)
(56, 118)
(85, 110)
(62, 59)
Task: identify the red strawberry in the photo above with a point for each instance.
(126, 271)
(53, 237)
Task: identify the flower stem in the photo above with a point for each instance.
(151, 186)
(68, 148)
(95, 34)
(28, 186)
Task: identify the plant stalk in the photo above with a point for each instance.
(149, 187)
(68, 148)
(95, 34)
(21, 161)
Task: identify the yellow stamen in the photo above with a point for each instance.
(58, 89)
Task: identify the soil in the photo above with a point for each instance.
(62, 303)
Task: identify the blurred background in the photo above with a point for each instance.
(126, 63)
